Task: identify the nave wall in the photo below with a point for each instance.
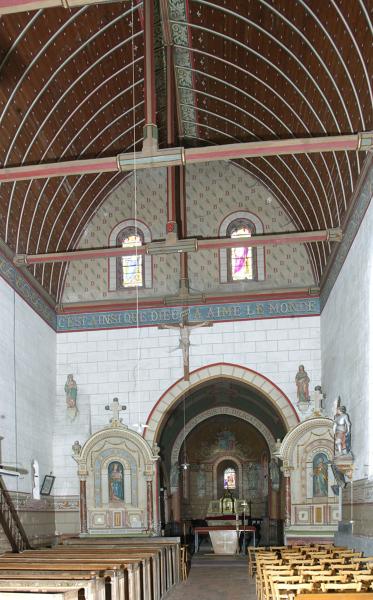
(347, 359)
(27, 403)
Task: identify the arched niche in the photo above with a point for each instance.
(117, 472)
(309, 516)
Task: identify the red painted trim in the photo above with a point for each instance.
(305, 148)
(218, 365)
(42, 171)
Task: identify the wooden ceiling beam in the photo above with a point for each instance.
(14, 6)
(187, 156)
(272, 239)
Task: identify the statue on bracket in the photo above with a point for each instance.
(342, 432)
(274, 473)
(71, 391)
(302, 382)
(343, 457)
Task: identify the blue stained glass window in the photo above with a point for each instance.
(131, 268)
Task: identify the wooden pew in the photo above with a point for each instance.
(60, 569)
(148, 560)
(151, 559)
(92, 586)
(170, 546)
(61, 595)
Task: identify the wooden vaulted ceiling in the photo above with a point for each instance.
(72, 86)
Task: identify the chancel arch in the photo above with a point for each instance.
(255, 381)
(221, 424)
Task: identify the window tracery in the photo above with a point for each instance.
(241, 264)
(131, 272)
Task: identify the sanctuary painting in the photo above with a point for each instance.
(116, 483)
(320, 475)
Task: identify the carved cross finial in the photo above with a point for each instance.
(115, 407)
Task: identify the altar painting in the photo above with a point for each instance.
(116, 482)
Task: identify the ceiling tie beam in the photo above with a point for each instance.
(185, 245)
(169, 157)
(14, 6)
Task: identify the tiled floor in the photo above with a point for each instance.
(215, 577)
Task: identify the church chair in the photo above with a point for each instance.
(184, 562)
(271, 575)
(345, 567)
(362, 559)
(341, 587)
(260, 575)
(313, 573)
(285, 591)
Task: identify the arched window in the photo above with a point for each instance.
(241, 264)
(241, 260)
(134, 271)
(230, 479)
(130, 269)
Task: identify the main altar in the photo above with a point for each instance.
(227, 520)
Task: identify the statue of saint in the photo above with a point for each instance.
(201, 482)
(253, 476)
(342, 432)
(302, 382)
(71, 391)
(35, 480)
(174, 475)
(274, 473)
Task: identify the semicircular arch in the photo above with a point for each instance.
(244, 375)
(213, 412)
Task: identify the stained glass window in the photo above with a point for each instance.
(229, 479)
(241, 259)
(131, 267)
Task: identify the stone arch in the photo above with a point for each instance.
(239, 373)
(221, 410)
(319, 428)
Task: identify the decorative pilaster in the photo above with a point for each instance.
(83, 506)
(287, 485)
(149, 503)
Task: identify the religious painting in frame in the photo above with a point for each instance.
(47, 485)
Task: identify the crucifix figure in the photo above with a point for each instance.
(184, 340)
(115, 407)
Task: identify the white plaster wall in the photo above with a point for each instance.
(347, 345)
(27, 379)
(139, 365)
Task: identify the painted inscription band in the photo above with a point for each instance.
(212, 312)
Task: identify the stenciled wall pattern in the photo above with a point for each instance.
(214, 191)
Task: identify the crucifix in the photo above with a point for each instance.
(184, 340)
(115, 407)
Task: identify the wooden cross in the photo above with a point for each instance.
(115, 407)
(184, 338)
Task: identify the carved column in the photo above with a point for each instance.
(149, 503)
(83, 506)
(287, 485)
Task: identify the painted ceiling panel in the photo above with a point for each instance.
(72, 86)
